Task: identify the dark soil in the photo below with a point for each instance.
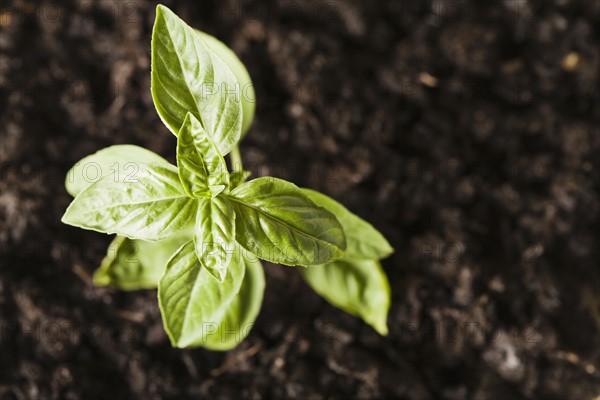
(466, 131)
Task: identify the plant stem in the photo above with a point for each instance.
(236, 159)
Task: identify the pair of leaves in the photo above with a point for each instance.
(200, 311)
(204, 176)
(356, 283)
(202, 169)
(188, 76)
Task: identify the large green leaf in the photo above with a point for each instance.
(241, 73)
(241, 312)
(136, 264)
(121, 161)
(202, 169)
(279, 223)
(187, 76)
(359, 287)
(151, 206)
(191, 300)
(362, 239)
(214, 235)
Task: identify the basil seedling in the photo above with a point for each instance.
(197, 231)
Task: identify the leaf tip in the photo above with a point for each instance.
(381, 328)
(164, 16)
(161, 10)
(390, 250)
(67, 217)
(191, 122)
(101, 278)
(188, 119)
(387, 249)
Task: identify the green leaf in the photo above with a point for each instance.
(214, 235)
(187, 76)
(152, 205)
(135, 264)
(241, 312)
(362, 239)
(279, 223)
(359, 287)
(201, 168)
(356, 283)
(236, 178)
(241, 73)
(191, 300)
(122, 161)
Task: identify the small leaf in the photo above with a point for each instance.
(359, 287)
(187, 76)
(236, 178)
(152, 206)
(200, 165)
(362, 239)
(120, 161)
(214, 235)
(241, 312)
(191, 300)
(135, 264)
(279, 223)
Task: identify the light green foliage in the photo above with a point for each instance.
(151, 206)
(279, 223)
(241, 73)
(121, 161)
(357, 286)
(356, 283)
(191, 299)
(363, 240)
(214, 235)
(188, 76)
(202, 169)
(241, 312)
(135, 264)
(196, 231)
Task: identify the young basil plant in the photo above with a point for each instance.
(196, 231)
